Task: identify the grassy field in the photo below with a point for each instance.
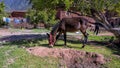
(14, 55)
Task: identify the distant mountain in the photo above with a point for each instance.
(16, 5)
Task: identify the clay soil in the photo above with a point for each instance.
(69, 57)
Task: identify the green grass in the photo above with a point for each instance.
(40, 30)
(100, 38)
(37, 30)
(23, 59)
(14, 57)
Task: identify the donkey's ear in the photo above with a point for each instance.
(48, 34)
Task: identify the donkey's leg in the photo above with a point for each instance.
(57, 37)
(85, 37)
(65, 39)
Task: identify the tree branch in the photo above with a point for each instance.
(74, 13)
(100, 17)
(104, 19)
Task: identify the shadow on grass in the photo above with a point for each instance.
(115, 48)
(31, 40)
(27, 40)
(21, 37)
(104, 42)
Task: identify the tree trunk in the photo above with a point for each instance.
(117, 42)
(108, 27)
(35, 26)
(116, 33)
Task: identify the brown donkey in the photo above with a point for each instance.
(69, 25)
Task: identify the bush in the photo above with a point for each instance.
(48, 18)
(2, 13)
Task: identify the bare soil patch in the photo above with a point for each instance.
(105, 34)
(10, 32)
(69, 57)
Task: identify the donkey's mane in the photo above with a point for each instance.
(55, 28)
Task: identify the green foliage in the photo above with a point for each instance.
(50, 4)
(68, 3)
(48, 17)
(2, 6)
(37, 16)
(33, 17)
(43, 4)
(99, 5)
(45, 10)
(117, 8)
(14, 57)
(2, 13)
(83, 6)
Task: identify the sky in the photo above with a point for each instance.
(12, 5)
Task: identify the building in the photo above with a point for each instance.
(18, 14)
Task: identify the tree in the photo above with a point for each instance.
(2, 13)
(96, 9)
(50, 4)
(43, 16)
(46, 9)
(32, 17)
(93, 8)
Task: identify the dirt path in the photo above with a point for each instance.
(105, 34)
(9, 32)
(14, 34)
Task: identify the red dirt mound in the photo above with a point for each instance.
(70, 57)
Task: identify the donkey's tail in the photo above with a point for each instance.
(97, 27)
(96, 31)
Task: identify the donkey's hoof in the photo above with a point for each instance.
(83, 47)
(65, 46)
(50, 46)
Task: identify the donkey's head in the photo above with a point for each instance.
(51, 39)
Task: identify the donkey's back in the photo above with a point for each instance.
(70, 24)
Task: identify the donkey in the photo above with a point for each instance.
(69, 25)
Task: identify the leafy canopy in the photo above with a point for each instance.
(81, 5)
(2, 12)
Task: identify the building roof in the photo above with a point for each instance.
(18, 13)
